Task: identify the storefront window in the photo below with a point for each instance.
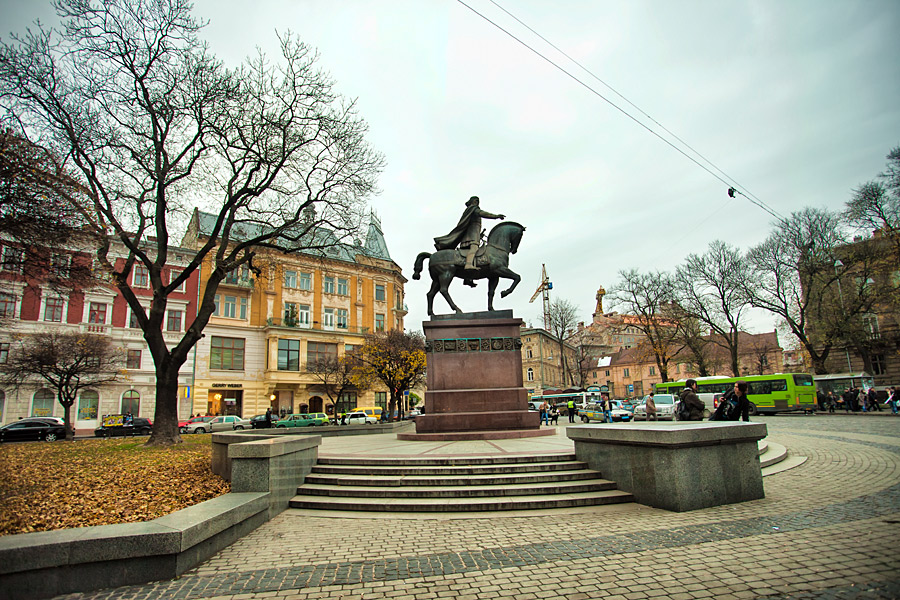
(87, 405)
(42, 405)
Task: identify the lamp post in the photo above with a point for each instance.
(837, 264)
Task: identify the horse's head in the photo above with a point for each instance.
(507, 234)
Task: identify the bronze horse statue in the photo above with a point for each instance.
(492, 263)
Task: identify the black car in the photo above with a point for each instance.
(32, 429)
(133, 426)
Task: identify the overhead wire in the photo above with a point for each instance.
(731, 182)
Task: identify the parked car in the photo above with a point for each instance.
(33, 428)
(412, 414)
(182, 425)
(221, 423)
(358, 418)
(57, 420)
(303, 420)
(665, 407)
(259, 421)
(123, 425)
(594, 412)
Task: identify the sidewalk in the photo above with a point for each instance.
(826, 529)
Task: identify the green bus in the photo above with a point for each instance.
(768, 394)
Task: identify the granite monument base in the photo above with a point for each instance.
(474, 381)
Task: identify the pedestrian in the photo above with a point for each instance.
(694, 405)
(554, 415)
(830, 401)
(848, 400)
(268, 418)
(570, 408)
(651, 408)
(893, 400)
(607, 409)
(873, 400)
(734, 405)
(545, 413)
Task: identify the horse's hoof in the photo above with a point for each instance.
(504, 294)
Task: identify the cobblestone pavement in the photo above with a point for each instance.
(826, 529)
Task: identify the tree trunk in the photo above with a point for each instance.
(67, 417)
(165, 418)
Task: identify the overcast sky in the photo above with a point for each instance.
(797, 101)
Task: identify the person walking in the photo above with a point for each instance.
(607, 409)
(873, 400)
(734, 405)
(694, 404)
(830, 401)
(651, 408)
(570, 408)
(268, 418)
(893, 400)
(545, 413)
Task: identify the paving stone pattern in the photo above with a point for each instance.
(826, 529)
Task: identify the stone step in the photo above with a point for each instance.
(462, 504)
(446, 460)
(773, 454)
(402, 468)
(455, 491)
(424, 480)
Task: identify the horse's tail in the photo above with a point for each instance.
(420, 262)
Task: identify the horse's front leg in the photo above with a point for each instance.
(492, 287)
(445, 280)
(506, 273)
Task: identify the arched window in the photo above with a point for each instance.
(87, 405)
(42, 404)
(131, 403)
(530, 374)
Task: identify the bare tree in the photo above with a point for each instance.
(69, 362)
(875, 205)
(563, 318)
(340, 375)
(760, 349)
(798, 274)
(711, 288)
(151, 124)
(649, 297)
(694, 342)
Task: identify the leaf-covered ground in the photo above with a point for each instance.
(56, 485)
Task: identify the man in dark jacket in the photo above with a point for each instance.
(689, 397)
(734, 405)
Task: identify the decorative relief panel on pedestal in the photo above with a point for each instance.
(474, 345)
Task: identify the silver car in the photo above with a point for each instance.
(665, 407)
(221, 423)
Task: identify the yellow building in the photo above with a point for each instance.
(267, 331)
(542, 368)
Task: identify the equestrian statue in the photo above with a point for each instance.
(461, 254)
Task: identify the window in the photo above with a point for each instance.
(607, 373)
(241, 274)
(53, 309)
(381, 399)
(328, 285)
(131, 403)
(878, 365)
(343, 287)
(133, 321)
(4, 352)
(226, 353)
(342, 318)
(97, 313)
(7, 305)
(530, 374)
(87, 405)
(290, 279)
(379, 292)
(397, 300)
(140, 278)
(870, 326)
(228, 306)
(379, 322)
(243, 310)
(59, 265)
(173, 275)
(328, 318)
(303, 315)
(12, 259)
(627, 374)
(288, 355)
(134, 359)
(306, 281)
(42, 403)
(653, 370)
(173, 320)
(290, 314)
(528, 353)
(317, 352)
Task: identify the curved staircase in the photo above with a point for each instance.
(454, 484)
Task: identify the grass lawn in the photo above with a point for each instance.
(56, 485)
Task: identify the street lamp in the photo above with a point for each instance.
(837, 264)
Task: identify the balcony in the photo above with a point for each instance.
(295, 324)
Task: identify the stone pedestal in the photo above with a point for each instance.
(677, 466)
(474, 382)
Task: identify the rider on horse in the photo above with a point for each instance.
(467, 234)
